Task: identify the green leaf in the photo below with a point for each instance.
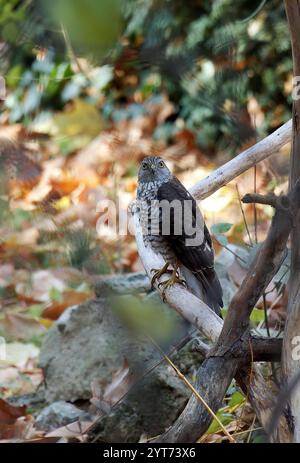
(222, 227)
(36, 310)
(32, 99)
(236, 399)
(225, 419)
(55, 295)
(257, 315)
(224, 312)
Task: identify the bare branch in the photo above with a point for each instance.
(265, 349)
(235, 337)
(258, 349)
(278, 202)
(185, 303)
(290, 365)
(243, 161)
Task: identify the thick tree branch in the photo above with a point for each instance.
(258, 349)
(290, 365)
(243, 161)
(264, 267)
(235, 336)
(265, 349)
(278, 202)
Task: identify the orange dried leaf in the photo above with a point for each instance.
(69, 298)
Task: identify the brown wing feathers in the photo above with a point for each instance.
(198, 259)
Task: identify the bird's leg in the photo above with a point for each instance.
(159, 272)
(175, 278)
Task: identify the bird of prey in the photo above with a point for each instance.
(173, 226)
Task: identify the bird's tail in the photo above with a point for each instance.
(212, 290)
(205, 285)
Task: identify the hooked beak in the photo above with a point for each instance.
(152, 167)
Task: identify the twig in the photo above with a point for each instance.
(191, 387)
(230, 250)
(243, 214)
(255, 211)
(181, 343)
(248, 430)
(266, 314)
(71, 52)
(251, 430)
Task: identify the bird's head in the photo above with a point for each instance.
(153, 169)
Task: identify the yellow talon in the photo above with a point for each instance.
(159, 272)
(175, 278)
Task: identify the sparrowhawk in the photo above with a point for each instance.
(173, 226)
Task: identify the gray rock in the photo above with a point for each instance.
(150, 408)
(34, 400)
(81, 346)
(59, 414)
(122, 284)
(89, 341)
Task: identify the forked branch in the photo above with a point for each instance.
(226, 358)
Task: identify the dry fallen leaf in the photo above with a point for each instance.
(68, 298)
(21, 326)
(38, 286)
(119, 384)
(9, 413)
(6, 275)
(8, 420)
(75, 430)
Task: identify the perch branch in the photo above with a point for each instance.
(185, 303)
(243, 161)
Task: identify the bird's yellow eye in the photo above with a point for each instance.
(161, 164)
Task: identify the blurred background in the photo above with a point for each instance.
(91, 87)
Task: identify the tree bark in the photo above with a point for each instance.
(225, 360)
(260, 394)
(290, 364)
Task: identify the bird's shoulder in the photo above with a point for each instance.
(173, 189)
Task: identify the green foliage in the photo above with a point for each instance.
(12, 13)
(79, 247)
(145, 316)
(218, 229)
(210, 58)
(221, 227)
(226, 414)
(257, 315)
(91, 27)
(36, 87)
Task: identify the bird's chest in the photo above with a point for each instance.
(150, 221)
